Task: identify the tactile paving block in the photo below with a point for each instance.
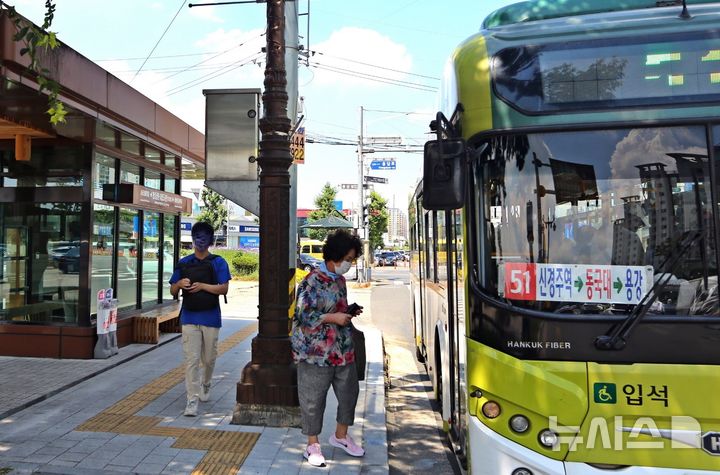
(226, 451)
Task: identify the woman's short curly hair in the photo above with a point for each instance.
(339, 243)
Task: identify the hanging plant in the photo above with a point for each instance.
(37, 40)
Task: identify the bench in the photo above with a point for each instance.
(148, 325)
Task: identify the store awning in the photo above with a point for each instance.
(10, 129)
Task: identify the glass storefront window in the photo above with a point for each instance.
(49, 166)
(129, 143)
(152, 179)
(151, 258)
(105, 133)
(40, 260)
(152, 154)
(104, 174)
(168, 254)
(170, 185)
(129, 173)
(127, 258)
(101, 249)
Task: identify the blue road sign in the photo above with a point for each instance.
(383, 164)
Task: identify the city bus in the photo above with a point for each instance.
(564, 241)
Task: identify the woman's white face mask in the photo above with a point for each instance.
(342, 268)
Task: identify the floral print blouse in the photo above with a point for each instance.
(315, 342)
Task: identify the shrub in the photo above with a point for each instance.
(245, 263)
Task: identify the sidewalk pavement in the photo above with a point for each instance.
(124, 414)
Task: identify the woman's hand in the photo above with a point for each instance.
(338, 318)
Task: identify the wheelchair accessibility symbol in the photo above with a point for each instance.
(605, 393)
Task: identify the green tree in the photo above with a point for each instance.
(378, 219)
(214, 210)
(325, 206)
(37, 41)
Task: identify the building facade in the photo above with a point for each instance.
(397, 226)
(93, 204)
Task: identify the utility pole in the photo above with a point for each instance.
(267, 392)
(361, 199)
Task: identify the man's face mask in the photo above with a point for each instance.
(202, 241)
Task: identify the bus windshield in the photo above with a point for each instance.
(587, 221)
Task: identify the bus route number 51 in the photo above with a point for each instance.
(520, 281)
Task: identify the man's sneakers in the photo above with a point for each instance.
(314, 455)
(205, 392)
(191, 409)
(348, 445)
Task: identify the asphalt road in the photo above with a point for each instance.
(416, 442)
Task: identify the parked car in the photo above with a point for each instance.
(308, 262)
(69, 263)
(385, 258)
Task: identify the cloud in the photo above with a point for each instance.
(646, 146)
(206, 13)
(339, 60)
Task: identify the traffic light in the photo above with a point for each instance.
(366, 211)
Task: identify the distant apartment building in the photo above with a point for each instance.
(397, 225)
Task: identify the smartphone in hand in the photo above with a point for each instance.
(353, 309)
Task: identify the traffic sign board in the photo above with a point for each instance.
(711, 443)
(348, 186)
(387, 164)
(375, 179)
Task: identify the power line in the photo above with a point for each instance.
(159, 40)
(374, 65)
(370, 77)
(213, 57)
(155, 57)
(243, 62)
(396, 112)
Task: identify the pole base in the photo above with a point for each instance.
(266, 415)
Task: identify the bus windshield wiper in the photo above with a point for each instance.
(617, 339)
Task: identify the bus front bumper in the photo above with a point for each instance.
(493, 454)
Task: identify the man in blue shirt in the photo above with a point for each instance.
(202, 277)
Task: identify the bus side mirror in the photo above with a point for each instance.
(443, 174)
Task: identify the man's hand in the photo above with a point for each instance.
(184, 283)
(197, 287)
(338, 318)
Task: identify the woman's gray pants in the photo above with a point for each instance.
(313, 384)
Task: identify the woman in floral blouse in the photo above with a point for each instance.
(323, 348)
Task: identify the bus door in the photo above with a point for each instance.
(456, 286)
(428, 250)
(419, 230)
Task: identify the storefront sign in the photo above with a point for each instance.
(148, 198)
(249, 229)
(184, 226)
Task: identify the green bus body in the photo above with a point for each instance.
(556, 85)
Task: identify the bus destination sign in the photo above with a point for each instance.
(577, 283)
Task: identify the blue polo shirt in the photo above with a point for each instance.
(208, 318)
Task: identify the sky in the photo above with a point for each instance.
(399, 47)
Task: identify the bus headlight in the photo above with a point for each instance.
(519, 423)
(548, 438)
(491, 409)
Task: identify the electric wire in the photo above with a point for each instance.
(159, 40)
(374, 65)
(215, 56)
(195, 82)
(372, 77)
